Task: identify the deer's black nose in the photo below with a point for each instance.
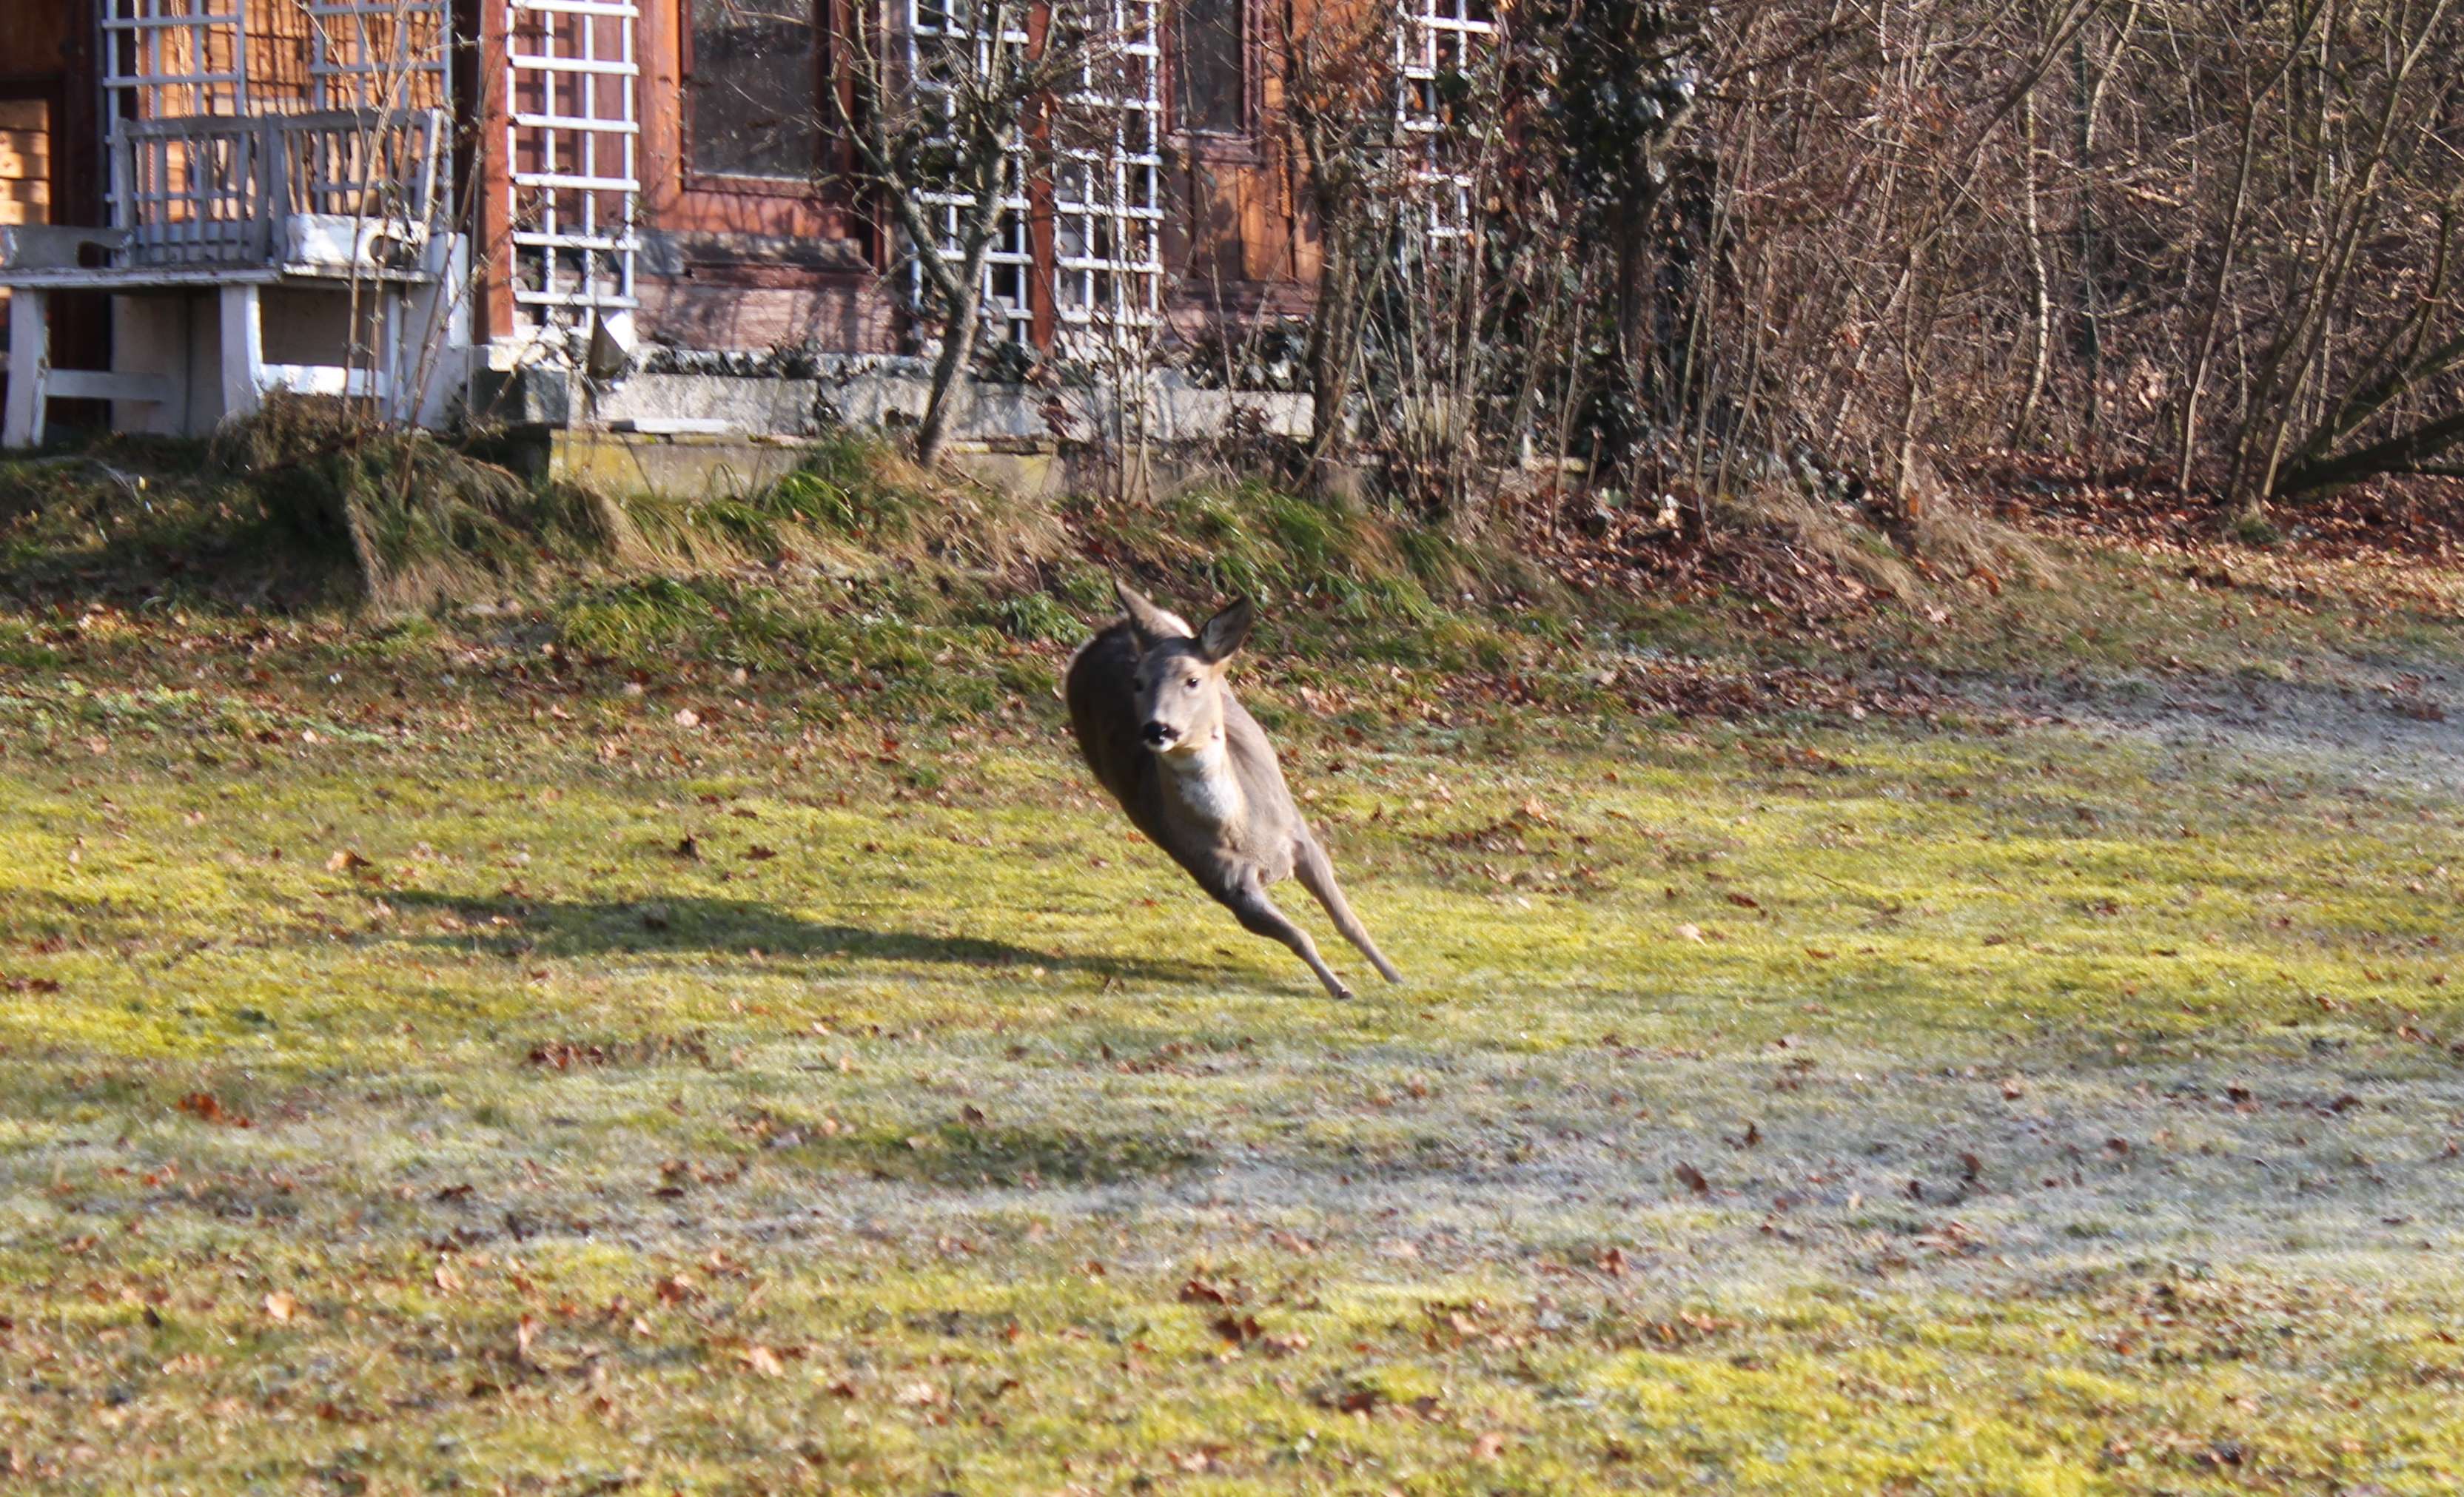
(1158, 734)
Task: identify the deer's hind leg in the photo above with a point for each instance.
(1316, 873)
(1246, 898)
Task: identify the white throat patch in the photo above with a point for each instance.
(1207, 785)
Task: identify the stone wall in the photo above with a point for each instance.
(708, 397)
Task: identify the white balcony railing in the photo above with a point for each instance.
(334, 191)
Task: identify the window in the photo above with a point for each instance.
(1212, 66)
(752, 101)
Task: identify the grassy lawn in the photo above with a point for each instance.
(707, 1034)
(435, 1073)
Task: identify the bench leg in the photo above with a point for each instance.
(392, 377)
(30, 368)
(243, 352)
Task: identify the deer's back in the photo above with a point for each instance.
(1101, 689)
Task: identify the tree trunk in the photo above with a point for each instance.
(2039, 281)
(1334, 342)
(949, 371)
(2091, 336)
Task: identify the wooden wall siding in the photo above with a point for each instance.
(25, 162)
(48, 160)
(169, 59)
(277, 53)
(748, 262)
(35, 37)
(342, 59)
(274, 54)
(24, 173)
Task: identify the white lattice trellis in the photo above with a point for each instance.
(949, 42)
(1108, 263)
(379, 55)
(572, 137)
(1106, 271)
(1438, 40)
(174, 57)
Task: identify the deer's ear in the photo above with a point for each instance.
(1223, 633)
(1153, 625)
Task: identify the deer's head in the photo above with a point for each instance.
(1179, 691)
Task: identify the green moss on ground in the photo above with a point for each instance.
(697, 1030)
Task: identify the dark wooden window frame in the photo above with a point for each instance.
(681, 198)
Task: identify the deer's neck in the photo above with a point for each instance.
(1202, 777)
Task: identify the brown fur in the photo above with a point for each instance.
(1212, 795)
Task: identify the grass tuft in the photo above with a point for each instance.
(422, 521)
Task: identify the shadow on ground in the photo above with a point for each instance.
(586, 927)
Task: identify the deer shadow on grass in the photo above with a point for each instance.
(519, 926)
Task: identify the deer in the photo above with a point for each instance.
(1158, 723)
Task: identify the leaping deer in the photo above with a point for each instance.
(1160, 728)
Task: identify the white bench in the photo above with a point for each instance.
(231, 206)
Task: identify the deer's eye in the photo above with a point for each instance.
(1191, 683)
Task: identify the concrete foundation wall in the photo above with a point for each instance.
(890, 393)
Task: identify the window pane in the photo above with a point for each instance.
(753, 102)
(1213, 70)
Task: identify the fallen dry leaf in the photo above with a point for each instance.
(206, 1108)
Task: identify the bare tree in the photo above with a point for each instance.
(951, 109)
(1340, 84)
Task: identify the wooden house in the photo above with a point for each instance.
(422, 203)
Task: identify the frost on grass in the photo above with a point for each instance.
(405, 1094)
